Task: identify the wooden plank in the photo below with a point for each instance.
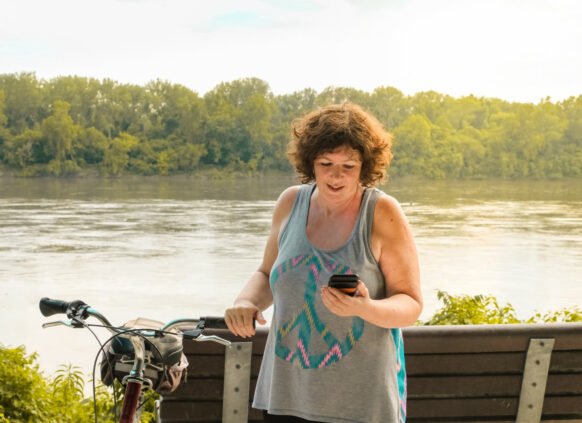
(566, 361)
(439, 387)
(213, 365)
(204, 390)
(564, 385)
(464, 364)
(203, 411)
(563, 406)
(489, 338)
(463, 387)
(496, 420)
(562, 362)
(462, 408)
(423, 364)
(445, 339)
(490, 408)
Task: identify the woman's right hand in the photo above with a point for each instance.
(240, 318)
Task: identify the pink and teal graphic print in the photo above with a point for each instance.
(400, 373)
(307, 322)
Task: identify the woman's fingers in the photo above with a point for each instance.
(342, 304)
(362, 290)
(335, 300)
(240, 320)
(260, 318)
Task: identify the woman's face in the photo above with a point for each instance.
(337, 173)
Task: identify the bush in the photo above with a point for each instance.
(26, 395)
(467, 310)
(485, 309)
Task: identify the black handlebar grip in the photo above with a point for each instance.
(214, 323)
(49, 307)
(219, 323)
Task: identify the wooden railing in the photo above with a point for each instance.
(485, 373)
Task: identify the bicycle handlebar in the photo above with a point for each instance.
(214, 322)
(80, 309)
(49, 307)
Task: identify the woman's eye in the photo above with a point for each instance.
(349, 166)
(326, 164)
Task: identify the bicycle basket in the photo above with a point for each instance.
(166, 364)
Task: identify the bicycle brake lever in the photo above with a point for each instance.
(192, 334)
(213, 338)
(58, 323)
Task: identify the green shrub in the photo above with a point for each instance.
(563, 315)
(24, 392)
(27, 395)
(485, 309)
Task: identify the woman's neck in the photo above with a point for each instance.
(331, 207)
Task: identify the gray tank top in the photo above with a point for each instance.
(317, 365)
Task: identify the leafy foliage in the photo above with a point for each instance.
(563, 315)
(467, 310)
(485, 309)
(27, 395)
(67, 124)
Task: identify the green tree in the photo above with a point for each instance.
(24, 101)
(255, 117)
(91, 146)
(59, 132)
(25, 151)
(116, 157)
(222, 130)
(466, 112)
(4, 135)
(428, 103)
(239, 91)
(339, 95)
(389, 106)
(412, 146)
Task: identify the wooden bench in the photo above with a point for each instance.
(485, 373)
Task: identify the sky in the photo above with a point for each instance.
(517, 50)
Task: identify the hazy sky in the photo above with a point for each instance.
(519, 50)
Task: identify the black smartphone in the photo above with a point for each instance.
(345, 283)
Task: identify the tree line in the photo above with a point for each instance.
(67, 124)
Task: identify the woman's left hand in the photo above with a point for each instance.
(342, 304)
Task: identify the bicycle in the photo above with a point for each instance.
(145, 354)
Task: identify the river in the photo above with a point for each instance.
(183, 246)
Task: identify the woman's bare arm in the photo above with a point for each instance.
(256, 295)
(393, 245)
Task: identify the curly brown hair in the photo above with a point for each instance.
(328, 128)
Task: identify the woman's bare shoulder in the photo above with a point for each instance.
(389, 217)
(388, 205)
(285, 203)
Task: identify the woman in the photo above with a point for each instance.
(331, 357)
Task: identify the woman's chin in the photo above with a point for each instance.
(335, 190)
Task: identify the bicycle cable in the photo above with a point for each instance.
(135, 331)
(109, 364)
